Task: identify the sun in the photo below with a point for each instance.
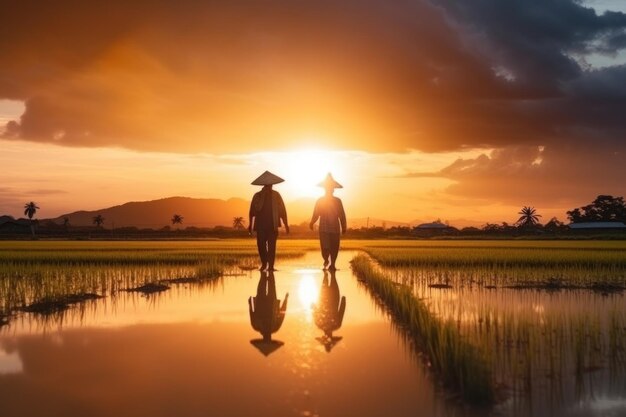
(304, 169)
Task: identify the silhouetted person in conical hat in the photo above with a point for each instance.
(332, 217)
(267, 211)
(329, 311)
(266, 313)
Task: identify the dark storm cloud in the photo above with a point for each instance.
(380, 75)
(536, 38)
(537, 42)
(563, 176)
(565, 123)
(617, 42)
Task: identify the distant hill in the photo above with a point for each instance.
(199, 212)
(210, 212)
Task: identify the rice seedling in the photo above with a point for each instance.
(460, 365)
(527, 318)
(41, 270)
(548, 319)
(512, 263)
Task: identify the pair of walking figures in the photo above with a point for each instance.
(268, 213)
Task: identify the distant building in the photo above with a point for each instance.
(431, 226)
(436, 228)
(598, 226)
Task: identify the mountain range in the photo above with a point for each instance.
(199, 212)
(210, 212)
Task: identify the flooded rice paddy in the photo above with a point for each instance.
(192, 351)
(551, 352)
(304, 342)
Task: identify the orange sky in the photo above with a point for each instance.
(64, 179)
(462, 111)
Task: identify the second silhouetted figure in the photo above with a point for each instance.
(329, 210)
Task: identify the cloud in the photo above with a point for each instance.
(10, 200)
(537, 39)
(45, 192)
(11, 193)
(376, 75)
(542, 176)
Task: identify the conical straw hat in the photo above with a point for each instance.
(267, 178)
(329, 182)
(329, 342)
(266, 347)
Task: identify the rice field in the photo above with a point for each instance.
(460, 365)
(503, 263)
(548, 318)
(47, 270)
(516, 324)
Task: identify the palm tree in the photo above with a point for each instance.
(177, 219)
(529, 217)
(29, 210)
(238, 223)
(98, 220)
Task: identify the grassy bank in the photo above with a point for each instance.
(546, 316)
(460, 366)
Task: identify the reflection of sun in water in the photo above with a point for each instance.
(308, 294)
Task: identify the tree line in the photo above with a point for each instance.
(605, 208)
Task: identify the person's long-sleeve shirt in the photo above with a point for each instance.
(329, 209)
(274, 213)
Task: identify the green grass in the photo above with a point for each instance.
(533, 341)
(501, 254)
(460, 365)
(476, 337)
(135, 253)
(35, 270)
(505, 262)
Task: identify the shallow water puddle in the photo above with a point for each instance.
(192, 351)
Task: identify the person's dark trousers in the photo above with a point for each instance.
(266, 244)
(329, 242)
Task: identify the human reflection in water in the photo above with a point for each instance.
(329, 311)
(266, 313)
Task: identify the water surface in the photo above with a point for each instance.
(192, 351)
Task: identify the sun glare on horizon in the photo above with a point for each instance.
(305, 168)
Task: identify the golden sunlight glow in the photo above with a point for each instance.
(308, 293)
(306, 168)
(89, 179)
